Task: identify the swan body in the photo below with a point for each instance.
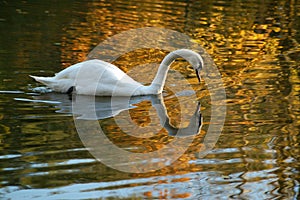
(100, 78)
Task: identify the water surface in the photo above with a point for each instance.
(255, 47)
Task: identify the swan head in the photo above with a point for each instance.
(197, 63)
(193, 58)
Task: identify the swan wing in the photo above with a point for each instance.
(100, 78)
(91, 68)
(92, 77)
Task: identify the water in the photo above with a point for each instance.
(255, 47)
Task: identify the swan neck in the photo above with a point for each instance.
(161, 75)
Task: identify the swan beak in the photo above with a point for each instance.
(198, 76)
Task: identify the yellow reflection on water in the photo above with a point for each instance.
(255, 47)
(245, 48)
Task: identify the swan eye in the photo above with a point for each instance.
(199, 67)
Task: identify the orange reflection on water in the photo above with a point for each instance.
(246, 43)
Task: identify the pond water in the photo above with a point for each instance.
(254, 45)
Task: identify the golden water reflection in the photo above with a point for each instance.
(246, 45)
(255, 46)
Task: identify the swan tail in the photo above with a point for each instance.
(45, 80)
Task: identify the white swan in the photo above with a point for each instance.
(96, 77)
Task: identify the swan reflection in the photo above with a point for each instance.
(84, 107)
(110, 140)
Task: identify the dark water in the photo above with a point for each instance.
(255, 47)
